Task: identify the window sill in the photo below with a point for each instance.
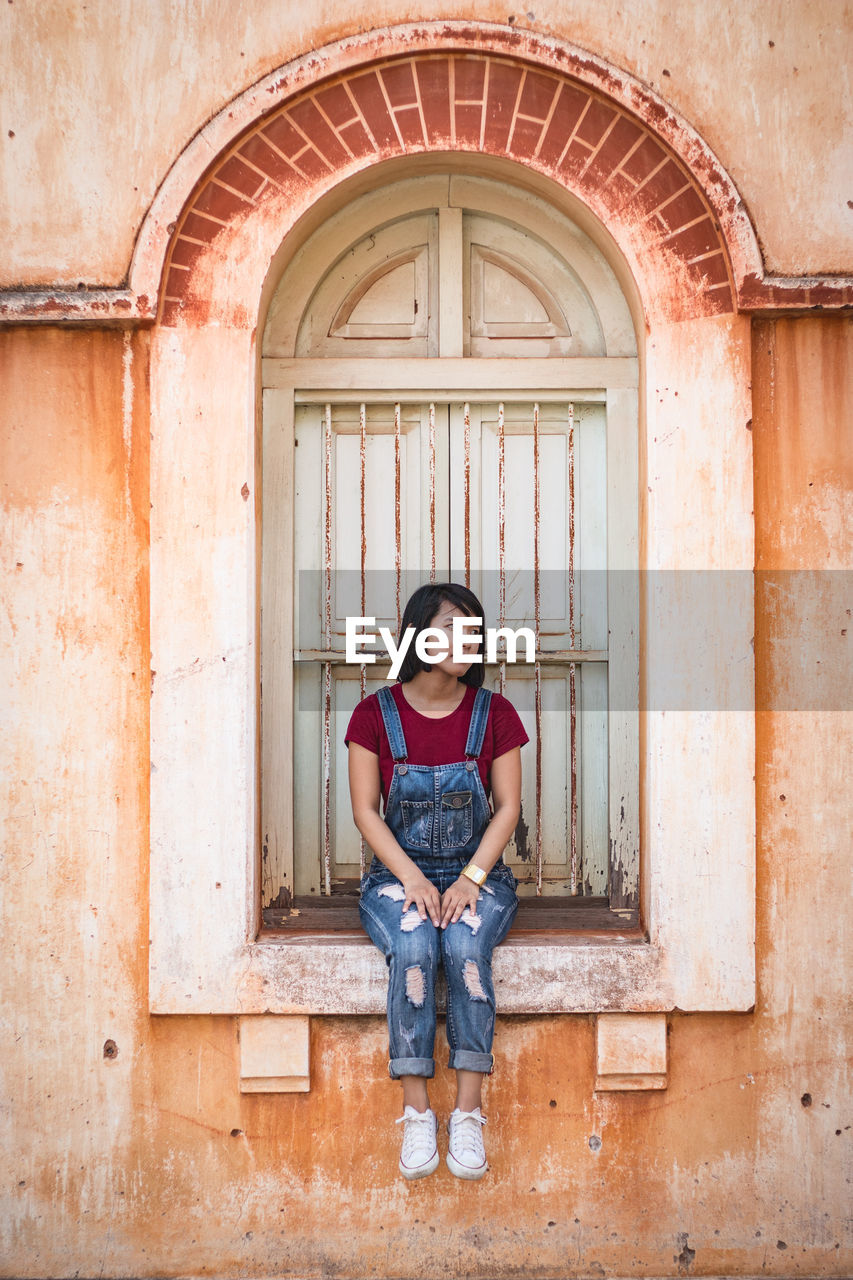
(520, 937)
(534, 972)
(338, 915)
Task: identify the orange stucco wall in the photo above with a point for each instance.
(148, 1161)
(126, 1147)
(764, 84)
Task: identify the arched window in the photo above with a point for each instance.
(449, 391)
(535, 250)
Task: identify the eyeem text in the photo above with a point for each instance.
(432, 644)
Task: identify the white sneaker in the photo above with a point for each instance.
(420, 1153)
(466, 1154)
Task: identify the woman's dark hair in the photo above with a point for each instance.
(421, 608)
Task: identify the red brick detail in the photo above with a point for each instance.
(312, 165)
(284, 136)
(399, 82)
(474, 102)
(757, 294)
(619, 141)
(409, 123)
(711, 270)
(716, 302)
(666, 183)
(537, 95)
(469, 78)
(434, 86)
(176, 282)
(502, 95)
(170, 313)
(695, 241)
(469, 121)
(597, 120)
(340, 109)
(644, 161)
(367, 92)
(570, 104)
(185, 252)
(238, 175)
(683, 209)
(358, 139)
(219, 202)
(337, 105)
(827, 294)
(261, 154)
(620, 191)
(525, 136)
(199, 228)
(308, 118)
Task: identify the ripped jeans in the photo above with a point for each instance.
(414, 948)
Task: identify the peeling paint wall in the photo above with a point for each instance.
(127, 1147)
(766, 85)
(146, 1159)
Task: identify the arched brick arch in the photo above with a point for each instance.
(466, 100)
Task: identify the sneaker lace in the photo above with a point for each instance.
(466, 1131)
(418, 1135)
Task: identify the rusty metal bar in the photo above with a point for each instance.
(432, 491)
(362, 461)
(327, 642)
(466, 437)
(573, 747)
(537, 667)
(398, 542)
(501, 542)
(546, 657)
(362, 453)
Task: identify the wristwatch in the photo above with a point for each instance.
(475, 873)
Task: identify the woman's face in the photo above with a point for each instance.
(443, 621)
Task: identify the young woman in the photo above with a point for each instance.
(437, 891)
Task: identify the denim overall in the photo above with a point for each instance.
(438, 814)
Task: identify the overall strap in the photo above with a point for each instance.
(477, 727)
(393, 725)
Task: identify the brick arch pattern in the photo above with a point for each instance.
(497, 105)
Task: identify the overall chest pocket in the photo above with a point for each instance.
(417, 821)
(457, 819)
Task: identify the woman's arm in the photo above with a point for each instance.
(506, 793)
(365, 795)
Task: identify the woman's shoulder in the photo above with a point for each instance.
(499, 703)
(364, 721)
(507, 728)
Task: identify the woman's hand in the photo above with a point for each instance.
(423, 895)
(461, 894)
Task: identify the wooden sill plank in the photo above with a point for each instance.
(338, 915)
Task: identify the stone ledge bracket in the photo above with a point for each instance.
(274, 1054)
(630, 1051)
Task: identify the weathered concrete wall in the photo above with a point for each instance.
(150, 1162)
(127, 1149)
(97, 104)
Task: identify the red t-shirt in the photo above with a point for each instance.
(435, 741)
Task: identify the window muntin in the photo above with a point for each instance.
(514, 458)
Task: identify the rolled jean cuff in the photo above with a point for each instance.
(465, 1060)
(411, 1067)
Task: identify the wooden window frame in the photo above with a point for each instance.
(697, 760)
(609, 381)
(696, 765)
